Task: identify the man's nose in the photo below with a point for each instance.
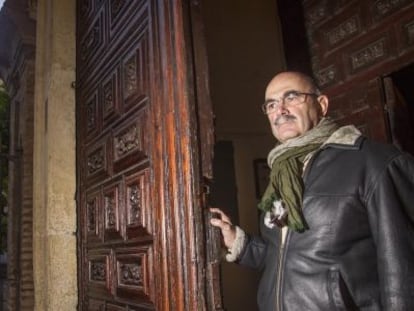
(281, 109)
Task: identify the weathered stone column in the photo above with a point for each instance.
(55, 267)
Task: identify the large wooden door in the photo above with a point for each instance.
(143, 147)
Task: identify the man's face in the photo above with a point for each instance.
(289, 121)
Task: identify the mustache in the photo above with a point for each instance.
(284, 118)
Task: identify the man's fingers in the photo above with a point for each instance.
(223, 216)
(228, 231)
(223, 225)
(217, 222)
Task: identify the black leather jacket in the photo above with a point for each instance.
(359, 251)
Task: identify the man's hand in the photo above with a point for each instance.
(223, 222)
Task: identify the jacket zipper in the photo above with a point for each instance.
(280, 270)
(284, 242)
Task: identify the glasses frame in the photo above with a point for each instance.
(281, 100)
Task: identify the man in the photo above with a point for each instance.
(338, 214)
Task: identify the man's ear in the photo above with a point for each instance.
(323, 104)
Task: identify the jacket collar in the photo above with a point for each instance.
(346, 137)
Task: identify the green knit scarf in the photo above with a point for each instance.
(286, 161)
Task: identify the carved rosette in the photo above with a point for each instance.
(98, 271)
(130, 77)
(134, 205)
(91, 215)
(130, 274)
(110, 210)
(96, 161)
(127, 141)
(108, 93)
(91, 115)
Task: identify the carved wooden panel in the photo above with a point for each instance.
(134, 274)
(96, 305)
(92, 218)
(112, 211)
(98, 273)
(352, 43)
(114, 155)
(141, 226)
(94, 40)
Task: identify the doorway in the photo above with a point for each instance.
(244, 47)
(400, 106)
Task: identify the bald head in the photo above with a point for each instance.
(306, 79)
(297, 104)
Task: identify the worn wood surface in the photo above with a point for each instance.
(142, 235)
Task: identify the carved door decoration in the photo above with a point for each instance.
(352, 45)
(140, 212)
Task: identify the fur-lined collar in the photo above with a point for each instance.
(345, 135)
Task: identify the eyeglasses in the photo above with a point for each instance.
(290, 98)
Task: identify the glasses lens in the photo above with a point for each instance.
(264, 108)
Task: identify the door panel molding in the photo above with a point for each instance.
(141, 223)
